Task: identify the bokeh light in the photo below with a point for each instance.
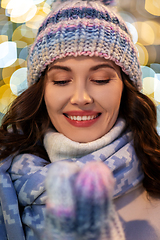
(133, 32)
(148, 85)
(148, 76)
(23, 33)
(42, 11)
(8, 71)
(24, 17)
(157, 88)
(20, 11)
(6, 28)
(18, 81)
(155, 67)
(6, 97)
(146, 34)
(153, 7)
(152, 54)
(143, 54)
(3, 38)
(20, 19)
(8, 54)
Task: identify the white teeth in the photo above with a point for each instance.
(82, 118)
(79, 118)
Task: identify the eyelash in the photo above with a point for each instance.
(65, 82)
(61, 83)
(101, 82)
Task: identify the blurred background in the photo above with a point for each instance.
(19, 20)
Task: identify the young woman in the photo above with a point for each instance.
(83, 104)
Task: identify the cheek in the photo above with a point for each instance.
(55, 100)
(110, 98)
(50, 100)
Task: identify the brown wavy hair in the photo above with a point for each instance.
(141, 117)
(25, 123)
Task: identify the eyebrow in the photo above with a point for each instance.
(104, 65)
(60, 67)
(94, 68)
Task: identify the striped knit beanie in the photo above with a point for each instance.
(89, 28)
(79, 203)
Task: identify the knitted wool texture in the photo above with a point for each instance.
(87, 28)
(79, 204)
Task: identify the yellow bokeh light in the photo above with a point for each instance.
(6, 80)
(3, 38)
(16, 6)
(143, 54)
(3, 16)
(156, 29)
(35, 22)
(21, 16)
(146, 35)
(46, 8)
(24, 34)
(41, 13)
(152, 54)
(6, 97)
(153, 7)
(148, 85)
(20, 11)
(4, 3)
(7, 72)
(21, 44)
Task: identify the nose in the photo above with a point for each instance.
(81, 96)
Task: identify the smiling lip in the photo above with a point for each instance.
(82, 118)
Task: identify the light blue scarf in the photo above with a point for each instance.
(115, 149)
(22, 180)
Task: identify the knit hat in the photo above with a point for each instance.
(88, 28)
(79, 204)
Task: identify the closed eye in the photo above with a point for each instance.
(61, 83)
(101, 82)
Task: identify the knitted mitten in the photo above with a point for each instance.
(95, 213)
(79, 204)
(61, 202)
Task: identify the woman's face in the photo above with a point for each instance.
(82, 96)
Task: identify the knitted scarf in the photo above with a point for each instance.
(22, 179)
(115, 149)
(79, 202)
